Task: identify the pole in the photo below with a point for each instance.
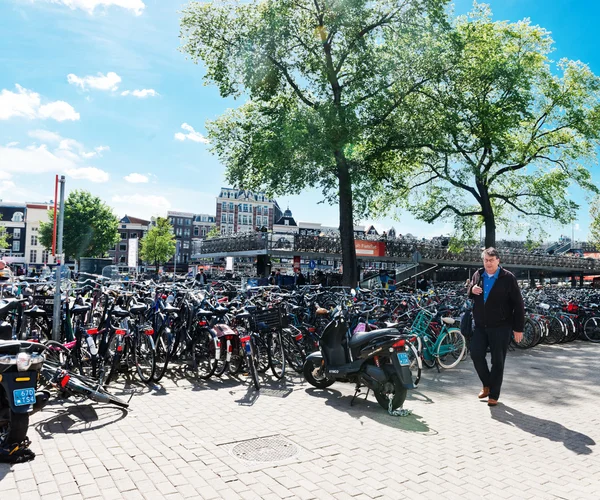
(54, 227)
(175, 259)
(59, 262)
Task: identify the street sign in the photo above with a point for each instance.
(416, 257)
(132, 253)
(312, 264)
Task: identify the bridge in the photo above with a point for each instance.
(395, 250)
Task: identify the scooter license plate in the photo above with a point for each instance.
(24, 396)
(403, 359)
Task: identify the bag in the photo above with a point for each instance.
(466, 324)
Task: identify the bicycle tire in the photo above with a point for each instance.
(452, 343)
(276, 354)
(555, 330)
(415, 363)
(252, 369)
(591, 329)
(203, 354)
(59, 355)
(162, 353)
(144, 349)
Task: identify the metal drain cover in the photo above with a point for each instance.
(265, 449)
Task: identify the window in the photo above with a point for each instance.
(223, 217)
(17, 232)
(16, 246)
(179, 221)
(196, 231)
(122, 259)
(286, 222)
(258, 210)
(245, 207)
(188, 222)
(245, 220)
(223, 230)
(34, 240)
(124, 226)
(224, 206)
(203, 231)
(171, 220)
(133, 235)
(123, 236)
(186, 232)
(178, 231)
(186, 244)
(17, 217)
(231, 218)
(123, 247)
(45, 255)
(230, 207)
(34, 229)
(266, 210)
(204, 216)
(33, 257)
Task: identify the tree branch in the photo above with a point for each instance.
(453, 209)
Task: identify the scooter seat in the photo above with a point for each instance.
(35, 312)
(363, 338)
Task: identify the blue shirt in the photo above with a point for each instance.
(488, 282)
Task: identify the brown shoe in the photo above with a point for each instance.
(492, 402)
(485, 392)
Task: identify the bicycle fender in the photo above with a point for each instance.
(403, 373)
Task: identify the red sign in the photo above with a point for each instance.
(365, 248)
(296, 262)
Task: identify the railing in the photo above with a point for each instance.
(400, 249)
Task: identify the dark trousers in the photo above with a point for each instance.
(497, 339)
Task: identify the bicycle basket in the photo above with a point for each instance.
(273, 318)
(421, 322)
(45, 302)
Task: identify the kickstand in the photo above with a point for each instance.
(356, 393)
(438, 367)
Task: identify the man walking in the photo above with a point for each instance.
(499, 313)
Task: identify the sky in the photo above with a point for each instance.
(97, 90)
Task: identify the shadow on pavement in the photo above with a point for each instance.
(366, 408)
(79, 418)
(572, 440)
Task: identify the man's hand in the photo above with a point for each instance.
(477, 290)
(518, 336)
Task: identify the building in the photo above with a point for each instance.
(286, 223)
(316, 229)
(182, 227)
(36, 256)
(12, 220)
(129, 228)
(201, 226)
(240, 211)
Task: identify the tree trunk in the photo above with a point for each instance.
(488, 216)
(350, 271)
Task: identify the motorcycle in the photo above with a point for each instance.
(20, 364)
(378, 359)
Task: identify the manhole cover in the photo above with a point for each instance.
(266, 449)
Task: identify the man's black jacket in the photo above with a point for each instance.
(504, 305)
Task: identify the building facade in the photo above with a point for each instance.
(36, 256)
(129, 228)
(201, 226)
(182, 227)
(12, 220)
(240, 211)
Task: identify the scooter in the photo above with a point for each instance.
(377, 359)
(20, 364)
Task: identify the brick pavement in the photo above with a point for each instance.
(177, 440)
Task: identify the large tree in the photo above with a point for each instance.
(322, 78)
(3, 236)
(505, 134)
(90, 226)
(158, 246)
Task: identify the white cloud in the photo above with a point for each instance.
(158, 203)
(141, 93)
(66, 156)
(136, 6)
(28, 104)
(97, 152)
(136, 178)
(110, 81)
(11, 144)
(192, 135)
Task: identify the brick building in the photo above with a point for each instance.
(240, 211)
(129, 228)
(12, 219)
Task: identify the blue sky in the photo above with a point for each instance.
(104, 93)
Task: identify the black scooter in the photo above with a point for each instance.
(377, 359)
(20, 364)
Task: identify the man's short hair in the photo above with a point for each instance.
(490, 252)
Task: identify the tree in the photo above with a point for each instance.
(322, 78)
(504, 137)
(595, 222)
(213, 233)
(90, 227)
(158, 246)
(3, 236)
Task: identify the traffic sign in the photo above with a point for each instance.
(312, 264)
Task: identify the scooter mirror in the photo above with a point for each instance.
(353, 292)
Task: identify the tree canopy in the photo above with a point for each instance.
(3, 236)
(90, 227)
(323, 79)
(158, 246)
(505, 134)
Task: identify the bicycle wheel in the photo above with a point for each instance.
(555, 330)
(252, 363)
(425, 349)
(450, 348)
(591, 329)
(58, 355)
(276, 354)
(261, 352)
(293, 350)
(204, 354)
(415, 362)
(162, 344)
(144, 357)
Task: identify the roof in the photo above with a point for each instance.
(134, 220)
